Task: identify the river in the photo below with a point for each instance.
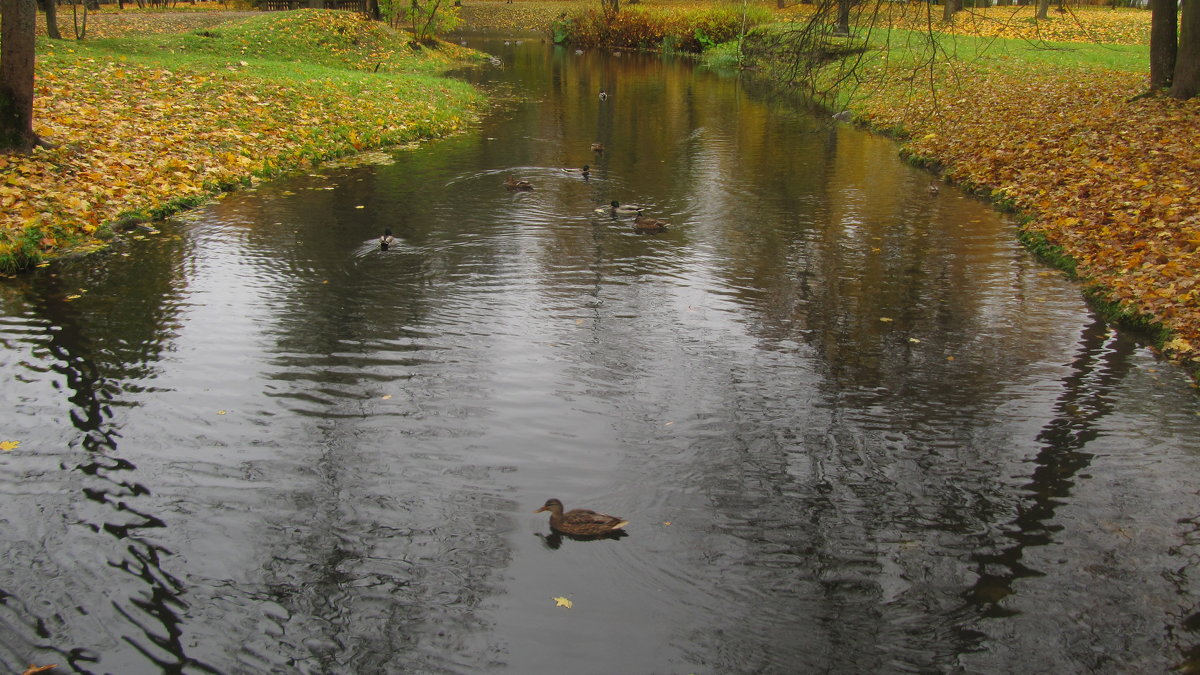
(854, 426)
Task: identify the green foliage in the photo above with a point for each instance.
(425, 18)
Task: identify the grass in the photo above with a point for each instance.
(150, 124)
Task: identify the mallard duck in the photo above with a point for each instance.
(597, 147)
(514, 184)
(603, 95)
(934, 189)
(619, 209)
(578, 172)
(644, 224)
(387, 239)
(580, 522)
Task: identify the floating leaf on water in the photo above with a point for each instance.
(386, 396)
(886, 319)
(563, 602)
(9, 446)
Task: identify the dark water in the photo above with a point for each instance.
(855, 427)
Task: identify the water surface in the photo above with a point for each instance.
(855, 427)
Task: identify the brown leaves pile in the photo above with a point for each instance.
(1114, 182)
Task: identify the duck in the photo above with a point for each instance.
(514, 184)
(619, 209)
(597, 147)
(580, 522)
(644, 224)
(934, 189)
(578, 172)
(603, 95)
(387, 239)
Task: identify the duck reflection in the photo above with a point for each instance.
(555, 539)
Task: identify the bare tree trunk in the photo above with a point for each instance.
(1186, 81)
(50, 7)
(1163, 42)
(843, 20)
(949, 7)
(18, 22)
(1043, 9)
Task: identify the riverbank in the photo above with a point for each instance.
(1104, 181)
(149, 119)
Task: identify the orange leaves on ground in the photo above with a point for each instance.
(132, 136)
(1115, 182)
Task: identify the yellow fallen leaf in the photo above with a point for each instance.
(666, 522)
(220, 412)
(886, 319)
(386, 396)
(9, 446)
(563, 602)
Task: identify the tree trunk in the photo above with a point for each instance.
(1162, 42)
(18, 22)
(50, 7)
(843, 20)
(1186, 81)
(1043, 10)
(949, 7)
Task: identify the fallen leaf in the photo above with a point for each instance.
(9, 446)
(220, 412)
(34, 670)
(886, 319)
(563, 602)
(386, 396)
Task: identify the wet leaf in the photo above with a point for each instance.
(9, 446)
(34, 670)
(563, 602)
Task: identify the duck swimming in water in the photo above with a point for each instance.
(644, 224)
(580, 522)
(514, 184)
(597, 147)
(578, 172)
(387, 239)
(619, 209)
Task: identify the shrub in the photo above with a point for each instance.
(678, 30)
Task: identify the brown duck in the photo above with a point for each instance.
(644, 224)
(580, 522)
(514, 184)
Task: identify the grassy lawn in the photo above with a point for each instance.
(145, 124)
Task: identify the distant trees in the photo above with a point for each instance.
(17, 25)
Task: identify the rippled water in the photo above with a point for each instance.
(854, 426)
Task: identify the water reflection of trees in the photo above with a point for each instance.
(104, 345)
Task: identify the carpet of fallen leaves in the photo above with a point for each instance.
(1113, 181)
(1102, 25)
(134, 136)
(111, 22)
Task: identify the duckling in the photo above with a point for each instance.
(597, 147)
(578, 172)
(580, 522)
(643, 224)
(387, 239)
(514, 184)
